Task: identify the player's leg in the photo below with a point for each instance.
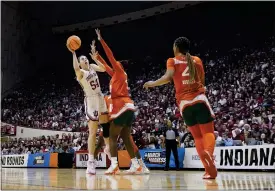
(104, 122)
(125, 120)
(114, 133)
(135, 168)
(91, 146)
(106, 134)
(91, 109)
(196, 133)
(204, 116)
(100, 144)
(191, 122)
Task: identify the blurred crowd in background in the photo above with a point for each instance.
(240, 88)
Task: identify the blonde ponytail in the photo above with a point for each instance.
(191, 66)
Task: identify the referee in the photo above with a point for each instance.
(171, 144)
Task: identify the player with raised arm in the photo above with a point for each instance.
(121, 112)
(105, 133)
(189, 78)
(95, 107)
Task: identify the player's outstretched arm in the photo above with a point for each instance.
(166, 78)
(116, 65)
(77, 70)
(99, 60)
(99, 67)
(109, 70)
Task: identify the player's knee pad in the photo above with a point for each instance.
(106, 129)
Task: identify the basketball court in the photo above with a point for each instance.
(70, 179)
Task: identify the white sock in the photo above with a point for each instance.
(91, 158)
(135, 161)
(113, 161)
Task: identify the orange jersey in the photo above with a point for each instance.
(108, 102)
(186, 90)
(119, 89)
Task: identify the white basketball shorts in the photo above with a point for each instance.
(94, 106)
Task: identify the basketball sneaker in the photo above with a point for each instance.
(134, 169)
(211, 169)
(91, 167)
(207, 176)
(145, 170)
(112, 170)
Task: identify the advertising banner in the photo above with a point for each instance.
(157, 157)
(14, 160)
(82, 158)
(39, 160)
(236, 157)
(53, 160)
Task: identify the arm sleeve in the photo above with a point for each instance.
(109, 70)
(170, 64)
(116, 65)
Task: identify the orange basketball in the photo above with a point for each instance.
(73, 42)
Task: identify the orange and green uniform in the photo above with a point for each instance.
(108, 102)
(121, 101)
(191, 99)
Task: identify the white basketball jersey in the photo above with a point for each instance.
(90, 82)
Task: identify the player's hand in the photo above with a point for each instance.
(72, 51)
(98, 34)
(93, 53)
(94, 56)
(148, 85)
(93, 47)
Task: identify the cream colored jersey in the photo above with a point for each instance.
(94, 99)
(90, 82)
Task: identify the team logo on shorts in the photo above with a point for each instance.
(96, 113)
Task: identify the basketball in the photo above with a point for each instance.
(73, 42)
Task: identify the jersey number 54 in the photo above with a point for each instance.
(94, 84)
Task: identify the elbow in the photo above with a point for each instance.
(168, 79)
(103, 68)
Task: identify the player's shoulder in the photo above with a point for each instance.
(197, 59)
(170, 61)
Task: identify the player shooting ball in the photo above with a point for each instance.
(95, 107)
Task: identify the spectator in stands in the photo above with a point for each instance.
(226, 140)
(218, 139)
(120, 145)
